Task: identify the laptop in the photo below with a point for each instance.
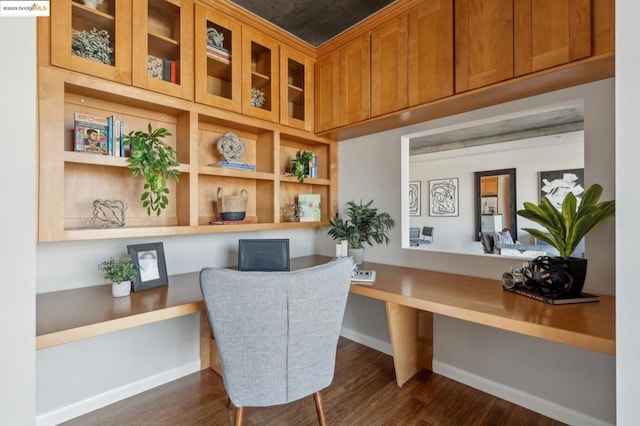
(265, 254)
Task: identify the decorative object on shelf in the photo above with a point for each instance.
(233, 165)
(257, 98)
(215, 38)
(301, 164)
(309, 207)
(291, 212)
(94, 44)
(555, 185)
(120, 272)
(108, 214)
(364, 225)
(565, 230)
(156, 161)
(231, 147)
(414, 198)
(93, 4)
(232, 207)
(150, 265)
(443, 197)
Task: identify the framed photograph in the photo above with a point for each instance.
(555, 185)
(414, 198)
(443, 197)
(151, 266)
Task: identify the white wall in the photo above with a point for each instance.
(18, 191)
(475, 362)
(528, 157)
(79, 377)
(627, 223)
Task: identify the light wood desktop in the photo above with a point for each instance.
(411, 297)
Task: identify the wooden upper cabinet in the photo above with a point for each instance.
(549, 33)
(327, 92)
(430, 51)
(71, 19)
(163, 46)
(260, 72)
(296, 89)
(389, 66)
(355, 81)
(483, 42)
(217, 62)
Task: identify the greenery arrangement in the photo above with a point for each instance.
(157, 162)
(364, 225)
(567, 227)
(300, 165)
(93, 44)
(120, 270)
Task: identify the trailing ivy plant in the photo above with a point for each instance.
(156, 161)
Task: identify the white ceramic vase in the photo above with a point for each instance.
(357, 254)
(93, 4)
(121, 289)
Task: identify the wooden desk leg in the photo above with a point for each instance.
(205, 337)
(411, 334)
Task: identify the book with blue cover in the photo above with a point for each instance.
(233, 165)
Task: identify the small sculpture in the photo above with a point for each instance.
(108, 214)
(231, 147)
(291, 212)
(215, 38)
(257, 98)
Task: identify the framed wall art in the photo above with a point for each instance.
(555, 185)
(443, 197)
(414, 198)
(151, 265)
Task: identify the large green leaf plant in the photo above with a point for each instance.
(567, 227)
(157, 162)
(364, 225)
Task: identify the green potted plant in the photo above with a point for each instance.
(157, 162)
(300, 165)
(565, 228)
(120, 272)
(364, 225)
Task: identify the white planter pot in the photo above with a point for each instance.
(357, 254)
(121, 289)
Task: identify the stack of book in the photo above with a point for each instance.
(162, 68)
(219, 53)
(233, 165)
(99, 135)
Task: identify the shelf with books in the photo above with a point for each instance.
(290, 145)
(290, 192)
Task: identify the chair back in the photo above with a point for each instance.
(276, 332)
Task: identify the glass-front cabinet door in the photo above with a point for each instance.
(260, 84)
(163, 46)
(217, 47)
(92, 38)
(296, 89)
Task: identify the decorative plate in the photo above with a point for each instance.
(231, 147)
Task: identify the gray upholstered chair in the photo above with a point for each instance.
(277, 332)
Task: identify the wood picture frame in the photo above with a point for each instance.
(150, 264)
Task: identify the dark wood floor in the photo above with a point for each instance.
(363, 393)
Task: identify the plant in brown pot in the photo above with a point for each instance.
(565, 229)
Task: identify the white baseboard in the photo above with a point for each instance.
(532, 402)
(98, 401)
(363, 339)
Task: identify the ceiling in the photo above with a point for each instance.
(313, 21)
(553, 122)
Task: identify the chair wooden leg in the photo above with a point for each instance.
(319, 409)
(239, 414)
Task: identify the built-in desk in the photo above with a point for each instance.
(411, 297)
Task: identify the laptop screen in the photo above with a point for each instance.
(263, 255)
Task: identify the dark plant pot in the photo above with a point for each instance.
(578, 271)
(232, 215)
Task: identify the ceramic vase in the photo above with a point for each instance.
(357, 254)
(121, 289)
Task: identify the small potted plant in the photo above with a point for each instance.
(157, 162)
(120, 272)
(300, 165)
(565, 228)
(364, 225)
